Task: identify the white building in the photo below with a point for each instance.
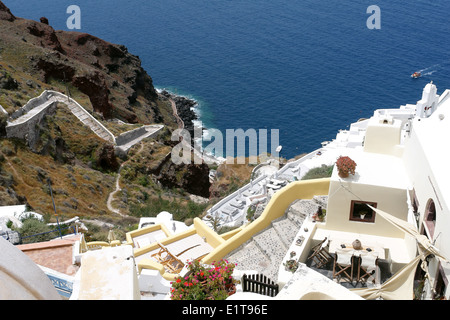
(401, 170)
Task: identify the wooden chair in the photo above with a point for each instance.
(343, 266)
(320, 255)
(170, 262)
(367, 266)
(162, 255)
(173, 265)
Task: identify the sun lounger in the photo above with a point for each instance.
(229, 211)
(249, 193)
(178, 247)
(272, 186)
(196, 253)
(236, 205)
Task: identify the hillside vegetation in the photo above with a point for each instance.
(80, 168)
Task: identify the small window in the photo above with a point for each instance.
(415, 203)
(430, 217)
(359, 211)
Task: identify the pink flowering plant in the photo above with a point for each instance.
(345, 164)
(204, 282)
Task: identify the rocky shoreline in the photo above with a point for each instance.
(185, 110)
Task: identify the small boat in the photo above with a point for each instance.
(416, 75)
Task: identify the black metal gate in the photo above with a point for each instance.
(259, 283)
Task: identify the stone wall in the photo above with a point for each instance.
(27, 130)
(31, 104)
(129, 136)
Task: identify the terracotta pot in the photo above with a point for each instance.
(231, 289)
(343, 174)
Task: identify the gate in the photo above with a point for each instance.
(259, 283)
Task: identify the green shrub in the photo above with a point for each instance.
(180, 209)
(33, 226)
(323, 171)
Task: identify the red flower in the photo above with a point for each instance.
(346, 164)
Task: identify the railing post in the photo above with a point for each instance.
(54, 208)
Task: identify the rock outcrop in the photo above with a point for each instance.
(107, 73)
(5, 13)
(193, 178)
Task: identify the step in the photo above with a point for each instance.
(286, 230)
(321, 201)
(271, 245)
(300, 209)
(249, 257)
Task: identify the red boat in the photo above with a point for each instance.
(416, 75)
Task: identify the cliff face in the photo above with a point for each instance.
(110, 83)
(88, 63)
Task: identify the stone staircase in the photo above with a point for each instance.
(87, 119)
(266, 250)
(26, 117)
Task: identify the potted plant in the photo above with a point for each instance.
(345, 166)
(319, 215)
(291, 265)
(205, 282)
(362, 214)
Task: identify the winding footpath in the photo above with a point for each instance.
(118, 188)
(175, 113)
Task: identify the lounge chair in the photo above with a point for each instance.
(195, 253)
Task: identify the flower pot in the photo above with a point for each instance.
(343, 174)
(231, 289)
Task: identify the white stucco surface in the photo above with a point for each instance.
(108, 274)
(21, 278)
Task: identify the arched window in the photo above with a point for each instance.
(430, 217)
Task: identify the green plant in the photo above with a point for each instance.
(323, 171)
(320, 214)
(36, 228)
(291, 265)
(204, 282)
(251, 212)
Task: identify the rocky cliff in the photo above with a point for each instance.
(111, 84)
(112, 78)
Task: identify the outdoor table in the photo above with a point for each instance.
(347, 246)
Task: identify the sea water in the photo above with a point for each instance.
(305, 67)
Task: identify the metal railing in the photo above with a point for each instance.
(59, 231)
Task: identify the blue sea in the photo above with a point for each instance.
(305, 67)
